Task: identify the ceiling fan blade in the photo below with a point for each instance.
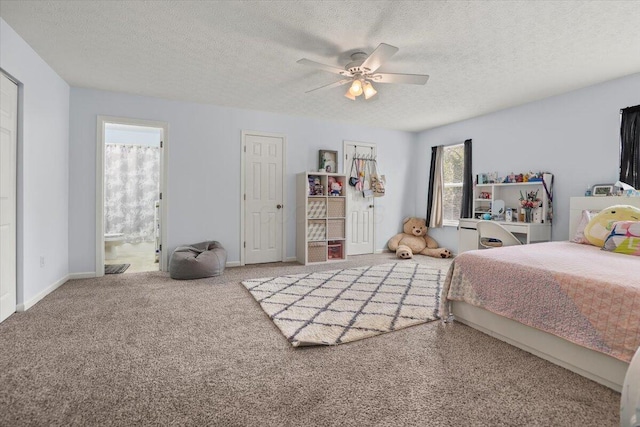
(412, 79)
(323, 67)
(330, 85)
(382, 53)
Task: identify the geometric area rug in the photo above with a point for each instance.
(339, 306)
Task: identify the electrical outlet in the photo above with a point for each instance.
(41, 262)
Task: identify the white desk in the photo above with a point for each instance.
(525, 231)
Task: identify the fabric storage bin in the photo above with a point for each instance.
(317, 252)
(335, 250)
(336, 207)
(317, 230)
(317, 208)
(336, 229)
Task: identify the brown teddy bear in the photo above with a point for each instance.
(414, 240)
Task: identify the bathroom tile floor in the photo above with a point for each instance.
(141, 256)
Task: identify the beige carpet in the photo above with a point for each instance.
(339, 306)
(142, 349)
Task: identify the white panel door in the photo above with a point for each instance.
(361, 209)
(8, 147)
(264, 198)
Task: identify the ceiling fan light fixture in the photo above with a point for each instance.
(362, 71)
(356, 87)
(350, 95)
(369, 90)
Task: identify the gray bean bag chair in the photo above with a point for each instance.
(196, 261)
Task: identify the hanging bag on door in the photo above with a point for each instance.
(360, 172)
(353, 179)
(366, 187)
(377, 181)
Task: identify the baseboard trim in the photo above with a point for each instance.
(43, 293)
(87, 275)
(291, 259)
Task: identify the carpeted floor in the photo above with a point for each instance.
(142, 349)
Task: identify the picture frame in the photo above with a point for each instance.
(602, 190)
(328, 161)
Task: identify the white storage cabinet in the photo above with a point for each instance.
(321, 227)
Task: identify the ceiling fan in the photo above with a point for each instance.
(361, 72)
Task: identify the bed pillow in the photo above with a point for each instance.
(624, 238)
(601, 224)
(585, 217)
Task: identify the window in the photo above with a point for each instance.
(453, 165)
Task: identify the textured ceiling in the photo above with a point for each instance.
(481, 56)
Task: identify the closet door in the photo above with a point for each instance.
(263, 198)
(8, 147)
(361, 214)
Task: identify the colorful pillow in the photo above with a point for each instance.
(624, 238)
(601, 225)
(585, 217)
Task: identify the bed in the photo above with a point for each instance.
(574, 305)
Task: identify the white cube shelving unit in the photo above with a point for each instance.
(321, 229)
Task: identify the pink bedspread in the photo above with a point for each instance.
(577, 292)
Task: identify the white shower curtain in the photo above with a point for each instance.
(132, 177)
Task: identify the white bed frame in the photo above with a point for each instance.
(594, 365)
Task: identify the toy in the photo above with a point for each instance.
(311, 180)
(336, 188)
(317, 187)
(598, 229)
(414, 240)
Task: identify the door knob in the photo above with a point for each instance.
(370, 206)
(279, 206)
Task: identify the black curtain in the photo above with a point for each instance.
(432, 173)
(630, 146)
(467, 183)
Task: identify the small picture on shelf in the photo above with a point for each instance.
(328, 161)
(602, 190)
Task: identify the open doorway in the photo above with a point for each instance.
(130, 230)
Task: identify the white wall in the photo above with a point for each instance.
(575, 136)
(43, 165)
(204, 167)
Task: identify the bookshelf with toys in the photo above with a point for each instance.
(321, 217)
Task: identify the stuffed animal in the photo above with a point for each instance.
(336, 188)
(599, 227)
(414, 240)
(317, 187)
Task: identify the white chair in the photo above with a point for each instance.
(494, 235)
